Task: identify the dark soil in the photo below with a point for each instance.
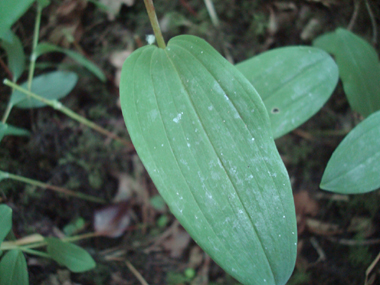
(63, 152)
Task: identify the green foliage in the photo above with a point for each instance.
(158, 203)
(70, 255)
(5, 220)
(52, 85)
(359, 68)
(294, 83)
(13, 269)
(354, 166)
(11, 11)
(15, 53)
(43, 48)
(204, 136)
(6, 130)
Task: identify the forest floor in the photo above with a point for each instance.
(338, 234)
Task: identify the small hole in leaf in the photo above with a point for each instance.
(275, 111)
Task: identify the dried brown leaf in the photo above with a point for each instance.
(177, 243)
(114, 6)
(113, 220)
(322, 228)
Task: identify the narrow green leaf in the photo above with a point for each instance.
(13, 269)
(359, 68)
(294, 83)
(70, 255)
(11, 11)
(6, 129)
(5, 220)
(354, 166)
(15, 53)
(43, 48)
(204, 136)
(53, 85)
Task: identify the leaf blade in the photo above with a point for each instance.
(359, 68)
(11, 11)
(15, 53)
(13, 269)
(52, 85)
(359, 171)
(179, 141)
(5, 221)
(6, 130)
(294, 83)
(43, 48)
(70, 255)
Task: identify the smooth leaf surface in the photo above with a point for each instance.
(70, 255)
(13, 269)
(15, 53)
(6, 129)
(204, 136)
(11, 11)
(294, 83)
(359, 68)
(53, 85)
(5, 221)
(354, 167)
(43, 48)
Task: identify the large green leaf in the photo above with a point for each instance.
(11, 11)
(204, 136)
(70, 255)
(294, 83)
(359, 68)
(6, 129)
(53, 85)
(46, 48)
(15, 53)
(355, 164)
(13, 269)
(5, 221)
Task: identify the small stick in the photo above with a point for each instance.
(373, 22)
(3, 65)
(354, 15)
(370, 268)
(136, 273)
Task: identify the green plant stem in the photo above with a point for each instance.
(154, 22)
(34, 252)
(8, 245)
(58, 106)
(211, 11)
(52, 187)
(7, 112)
(35, 43)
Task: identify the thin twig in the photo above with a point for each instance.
(5, 67)
(370, 268)
(373, 22)
(136, 273)
(318, 248)
(350, 242)
(354, 15)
